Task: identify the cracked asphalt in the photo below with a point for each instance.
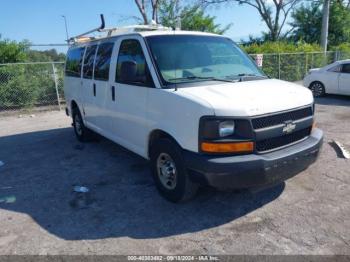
(123, 213)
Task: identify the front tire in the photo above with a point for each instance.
(81, 131)
(169, 172)
(317, 89)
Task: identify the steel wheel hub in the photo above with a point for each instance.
(77, 125)
(166, 171)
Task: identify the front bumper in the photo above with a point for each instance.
(254, 170)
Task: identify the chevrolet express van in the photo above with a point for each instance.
(192, 103)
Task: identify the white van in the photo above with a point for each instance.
(192, 103)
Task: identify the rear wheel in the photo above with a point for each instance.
(81, 131)
(317, 89)
(170, 173)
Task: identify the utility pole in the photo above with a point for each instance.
(325, 22)
(65, 23)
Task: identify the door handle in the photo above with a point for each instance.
(94, 87)
(113, 93)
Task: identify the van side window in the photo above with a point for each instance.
(74, 61)
(103, 60)
(89, 61)
(132, 67)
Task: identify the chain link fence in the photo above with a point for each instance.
(39, 86)
(294, 66)
(31, 86)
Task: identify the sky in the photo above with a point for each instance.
(41, 21)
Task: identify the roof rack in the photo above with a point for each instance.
(115, 31)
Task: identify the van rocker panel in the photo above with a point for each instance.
(254, 170)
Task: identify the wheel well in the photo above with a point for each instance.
(74, 105)
(158, 134)
(322, 84)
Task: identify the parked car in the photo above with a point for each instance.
(192, 103)
(331, 79)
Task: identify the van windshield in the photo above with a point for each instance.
(192, 58)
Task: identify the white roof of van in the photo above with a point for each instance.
(145, 33)
(174, 32)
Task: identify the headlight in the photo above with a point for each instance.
(223, 135)
(226, 128)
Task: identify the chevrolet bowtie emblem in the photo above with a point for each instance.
(288, 127)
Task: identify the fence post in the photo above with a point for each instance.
(337, 55)
(56, 84)
(306, 63)
(279, 65)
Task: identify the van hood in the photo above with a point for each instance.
(251, 98)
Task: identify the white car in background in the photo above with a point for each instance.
(331, 79)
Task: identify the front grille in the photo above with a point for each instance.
(273, 120)
(276, 142)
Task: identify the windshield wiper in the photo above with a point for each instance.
(204, 78)
(246, 77)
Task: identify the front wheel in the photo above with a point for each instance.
(170, 173)
(317, 89)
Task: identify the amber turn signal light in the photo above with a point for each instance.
(240, 147)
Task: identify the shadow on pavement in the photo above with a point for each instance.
(333, 100)
(41, 168)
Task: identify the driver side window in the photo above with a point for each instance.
(132, 67)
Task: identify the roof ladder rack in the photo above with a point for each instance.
(98, 29)
(116, 30)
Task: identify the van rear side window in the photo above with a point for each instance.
(89, 61)
(103, 61)
(74, 61)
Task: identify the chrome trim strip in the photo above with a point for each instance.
(281, 125)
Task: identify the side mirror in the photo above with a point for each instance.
(128, 71)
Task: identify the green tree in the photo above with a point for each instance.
(45, 56)
(307, 21)
(273, 13)
(192, 17)
(12, 52)
(25, 85)
(148, 6)
(15, 52)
